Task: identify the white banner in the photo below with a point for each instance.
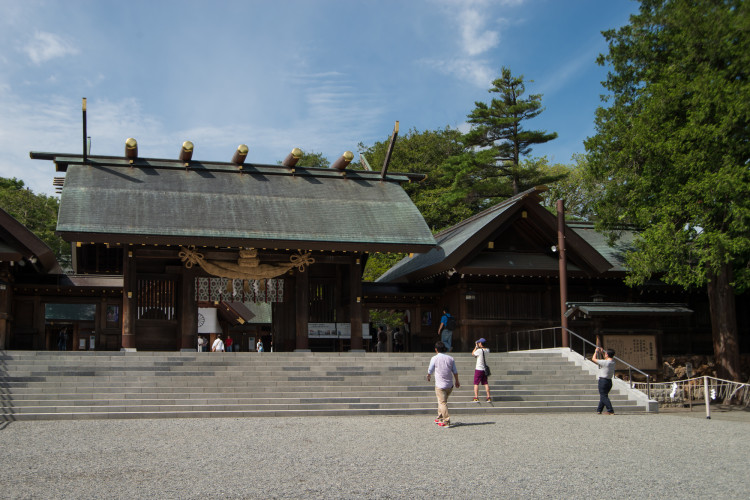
(207, 320)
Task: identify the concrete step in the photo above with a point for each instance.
(296, 405)
(414, 393)
(192, 399)
(53, 385)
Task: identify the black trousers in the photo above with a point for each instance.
(605, 385)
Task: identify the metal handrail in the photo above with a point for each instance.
(584, 343)
(631, 368)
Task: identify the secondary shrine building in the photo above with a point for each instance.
(245, 241)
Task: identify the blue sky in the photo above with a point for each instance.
(322, 75)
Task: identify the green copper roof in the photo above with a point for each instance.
(592, 309)
(270, 205)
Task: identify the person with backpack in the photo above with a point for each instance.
(445, 330)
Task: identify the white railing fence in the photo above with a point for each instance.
(693, 391)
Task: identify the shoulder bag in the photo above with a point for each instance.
(487, 370)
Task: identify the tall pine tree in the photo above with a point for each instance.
(498, 127)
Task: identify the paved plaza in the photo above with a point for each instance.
(666, 455)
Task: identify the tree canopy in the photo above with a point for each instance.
(429, 152)
(38, 212)
(576, 189)
(671, 150)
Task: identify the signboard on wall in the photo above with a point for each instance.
(638, 350)
(334, 330)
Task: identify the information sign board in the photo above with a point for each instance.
(638, 350)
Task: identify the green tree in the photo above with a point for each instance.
(313, 160)
(576, 189)
(498, 128)
(38, 212)
(427, 153)
(672, 151)
(379, 263)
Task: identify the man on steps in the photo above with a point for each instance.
(445, 330)
(218, 345)
(606, 372)
(444, 368)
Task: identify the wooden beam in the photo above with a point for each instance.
(384, 172)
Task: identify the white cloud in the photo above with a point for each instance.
(46, 46)
(474, 39)
(464, 127)
(477, 72)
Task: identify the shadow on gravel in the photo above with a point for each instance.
(4, 425)
(467, 424)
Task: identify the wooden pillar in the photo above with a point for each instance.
(128, 300)
(302, 309)
(6, 297)
(101, 324)
(563, 265)
(189, 307)
(416, 329)
(39, 324)
(355, 303)
(463, 327)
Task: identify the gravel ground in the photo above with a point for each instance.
(505, 456)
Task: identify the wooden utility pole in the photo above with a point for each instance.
(563, 271)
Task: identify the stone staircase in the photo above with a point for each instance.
(49, 385)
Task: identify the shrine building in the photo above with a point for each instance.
(283, 242)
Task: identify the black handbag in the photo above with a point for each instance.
(487, 370)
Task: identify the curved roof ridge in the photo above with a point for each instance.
(493, 208)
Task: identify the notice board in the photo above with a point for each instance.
(638, 350)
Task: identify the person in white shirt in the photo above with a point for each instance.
(259, 346)
(218, 345)
(606, 373)
(480, 376)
